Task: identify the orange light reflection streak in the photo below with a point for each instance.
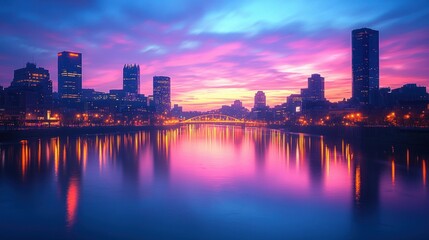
(424, 171)
(72, 201)
(393, 172)
(357, 184)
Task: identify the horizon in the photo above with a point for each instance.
(219, 55)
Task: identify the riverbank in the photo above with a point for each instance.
(369, 134)
(18, 134)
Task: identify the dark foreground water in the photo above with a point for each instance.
(213, 182)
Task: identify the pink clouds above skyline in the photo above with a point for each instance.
(209, 69)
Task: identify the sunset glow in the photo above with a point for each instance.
(217, 52)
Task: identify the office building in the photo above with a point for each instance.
(70, 78)
(33, 90)
(162, 94)
(237, 104)
(316, 89)
(294, 103)
(131, 78)
(260, 108)
(365, 66)
(260, 100)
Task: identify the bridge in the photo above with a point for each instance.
(216, 118)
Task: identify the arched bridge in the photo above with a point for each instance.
(216, 118)
(213, 118)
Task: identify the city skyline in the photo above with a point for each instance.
(214, 65)
(190, 119)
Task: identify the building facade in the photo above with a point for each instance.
(316, 89)
(365, 66)
(260, 108)
(162, 94)
(260, 101)
(131, 78)
(70, 78)
(31, 89)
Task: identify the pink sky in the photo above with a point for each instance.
(216, 53)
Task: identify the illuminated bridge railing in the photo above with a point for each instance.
(221, 119)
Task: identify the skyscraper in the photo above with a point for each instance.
(162, 94)
(259, 110)
(315, 90)
(131, 74)
(260, 100)
(34, 87)
(70, 78)
(365, 66)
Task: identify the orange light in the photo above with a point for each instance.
(60, 54)
(73, 55)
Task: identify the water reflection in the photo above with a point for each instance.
(424, 171)
(72, 201)
(328, 182)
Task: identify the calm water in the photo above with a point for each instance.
(212, 182)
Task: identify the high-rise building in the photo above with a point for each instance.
(316, 89)
(365, 66)
(70, 78)
(162, 94)
(260, 108)
(34, 88)
(237, 104)
(131, 74)
(260, 100)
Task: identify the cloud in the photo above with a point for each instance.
(189, 44)
(219, 51)
(154, 48)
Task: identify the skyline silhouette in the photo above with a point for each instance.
(230, 58)
(304, 94)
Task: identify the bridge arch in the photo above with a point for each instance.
(213, 118)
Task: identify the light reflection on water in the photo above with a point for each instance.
(209, 182)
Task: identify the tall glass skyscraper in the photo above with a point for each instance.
(131, 76)
(365, 66)
(162, 94)
(70, 78)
